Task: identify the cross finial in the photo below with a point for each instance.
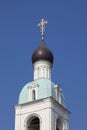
(42, 27)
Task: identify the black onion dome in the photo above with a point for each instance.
(42, 53)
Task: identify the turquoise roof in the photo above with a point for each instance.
(46, 88)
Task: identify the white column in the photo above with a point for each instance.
(65, 124)
(18, 118)
(42, 69)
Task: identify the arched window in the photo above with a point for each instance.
(33, 124)
(33, 95)
(58, 124)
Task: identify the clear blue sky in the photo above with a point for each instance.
(66, 36)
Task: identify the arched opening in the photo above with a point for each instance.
(33, 123)
(58, 124)
(33, 95)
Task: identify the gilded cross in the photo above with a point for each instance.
(42, 27)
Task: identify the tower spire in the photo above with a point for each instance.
(42, 27)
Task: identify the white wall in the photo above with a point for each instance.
(47, 110)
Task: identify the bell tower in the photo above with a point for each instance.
(41, 104)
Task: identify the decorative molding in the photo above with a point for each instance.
(33, 85)
(42, 69)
